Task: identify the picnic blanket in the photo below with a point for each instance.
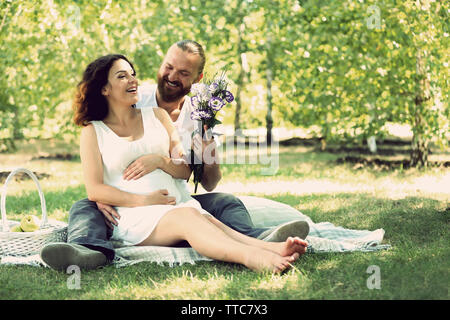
(323, 237)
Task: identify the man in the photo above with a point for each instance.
(89, 230)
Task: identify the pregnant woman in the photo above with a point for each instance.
(153, 209)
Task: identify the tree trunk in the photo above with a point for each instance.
(269, 118)
(420, 142)
(17, 131)
(240, 80)
(372, 139)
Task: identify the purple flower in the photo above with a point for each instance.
(200, 115)
(205, 114)
(229, 96)
(216, 103)
(194, 101)
(195, 115)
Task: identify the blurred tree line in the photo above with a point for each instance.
(347, 67)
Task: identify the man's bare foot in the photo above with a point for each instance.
(292, 245)
(263, 260)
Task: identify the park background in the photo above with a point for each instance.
(323, 79)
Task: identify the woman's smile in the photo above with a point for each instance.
(133, 90)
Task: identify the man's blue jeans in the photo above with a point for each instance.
(87, 225)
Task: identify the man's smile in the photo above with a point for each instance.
(173, 84)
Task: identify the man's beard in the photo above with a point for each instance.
(171, 96)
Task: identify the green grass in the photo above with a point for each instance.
(410, 205)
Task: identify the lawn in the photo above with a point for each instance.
(411, 205)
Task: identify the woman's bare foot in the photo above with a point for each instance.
(264, 260)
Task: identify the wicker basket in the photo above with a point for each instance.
(28, 243)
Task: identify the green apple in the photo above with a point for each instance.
(30, 223)
(16, 228)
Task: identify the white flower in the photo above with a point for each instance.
(382, 72)
(201, 90)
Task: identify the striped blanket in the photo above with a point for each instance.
(323, 237)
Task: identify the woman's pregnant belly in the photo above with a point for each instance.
(152, 181)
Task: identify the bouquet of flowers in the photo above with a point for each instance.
(207, 98)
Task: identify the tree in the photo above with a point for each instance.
(427, 26)
(362, 64)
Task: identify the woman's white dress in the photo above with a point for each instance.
(137, 223)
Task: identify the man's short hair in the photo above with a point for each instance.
(193, 47)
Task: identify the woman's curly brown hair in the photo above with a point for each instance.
(89, 104)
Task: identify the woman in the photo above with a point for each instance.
(153, 210)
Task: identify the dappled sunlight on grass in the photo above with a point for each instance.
(59, 214)
(327, 264)
(184, 286)
(290, 285)
(433, 185)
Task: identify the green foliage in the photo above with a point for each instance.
(356, 65)
(348, 66)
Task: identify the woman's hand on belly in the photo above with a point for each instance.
(142, 166)
(158, 197)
